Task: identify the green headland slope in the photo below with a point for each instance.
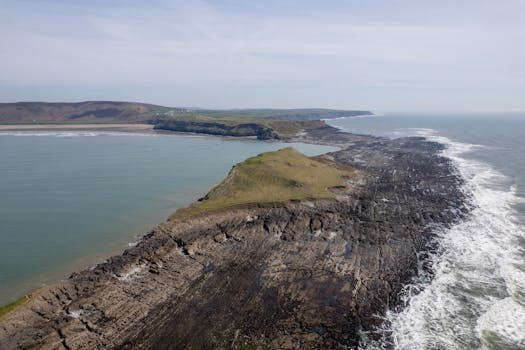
(272, 177)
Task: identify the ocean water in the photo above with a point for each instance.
(70, 199)
(475, 296)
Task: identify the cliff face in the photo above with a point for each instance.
(307, 275)
(261, 128)
(214, 128)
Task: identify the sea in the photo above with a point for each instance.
(474, 295)
(70, 199)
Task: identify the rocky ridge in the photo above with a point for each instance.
(301, 275)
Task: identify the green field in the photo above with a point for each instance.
(133, 112)
(272, 177)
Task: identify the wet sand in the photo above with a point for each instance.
(98, 127)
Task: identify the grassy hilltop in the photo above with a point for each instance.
(134, 112)
(272, 177)
(79, 112)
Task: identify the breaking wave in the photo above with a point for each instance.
(474, 295)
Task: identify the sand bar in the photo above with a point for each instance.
(113, 127)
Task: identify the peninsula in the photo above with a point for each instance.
(288, 252)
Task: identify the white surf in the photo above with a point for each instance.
(475, 296)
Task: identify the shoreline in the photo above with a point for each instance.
(192, 240)
(118, 245)
(83, 127)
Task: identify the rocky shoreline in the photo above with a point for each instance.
(220, 129)
(301, 275)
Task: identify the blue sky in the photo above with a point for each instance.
(379, 55)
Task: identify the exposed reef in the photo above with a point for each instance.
(308, 274)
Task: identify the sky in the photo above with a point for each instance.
(362, 54)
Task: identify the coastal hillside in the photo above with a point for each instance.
(133, 112)
(287, 114)
(77, 113)
(272, 177)
(260, 128)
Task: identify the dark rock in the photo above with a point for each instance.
(222, 129)
(307, 275)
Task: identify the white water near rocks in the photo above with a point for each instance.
(476, 296)
(473, 297)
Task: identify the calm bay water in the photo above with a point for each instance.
(475, 298)
(70, 199)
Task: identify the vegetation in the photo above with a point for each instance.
(132, 112)
(81, 112)
(264, 124)
(263, 129)
(6, 308)
(272, 177)
(288, 114)
(287, 128)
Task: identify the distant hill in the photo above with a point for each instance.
(80, 112)
(286, 114)
(133, 112)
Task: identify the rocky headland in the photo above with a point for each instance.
(300, 274)
(215, 128)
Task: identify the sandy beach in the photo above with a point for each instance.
(99, 127)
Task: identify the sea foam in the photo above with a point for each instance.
(474, 295)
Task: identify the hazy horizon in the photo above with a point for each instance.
(375, 55)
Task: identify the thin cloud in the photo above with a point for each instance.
(209, 53)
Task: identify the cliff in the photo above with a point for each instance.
(261, 128)
(301, 274)
(218, 128)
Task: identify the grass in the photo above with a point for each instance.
(288, 128)
(272, 177)
(281, 128)
(266, 118)
(6, 308)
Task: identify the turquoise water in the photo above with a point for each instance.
(70, 199)
(475, 297)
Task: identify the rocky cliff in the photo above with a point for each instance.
(308, 274)
(216, 128)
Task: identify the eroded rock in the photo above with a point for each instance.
(304, 275)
